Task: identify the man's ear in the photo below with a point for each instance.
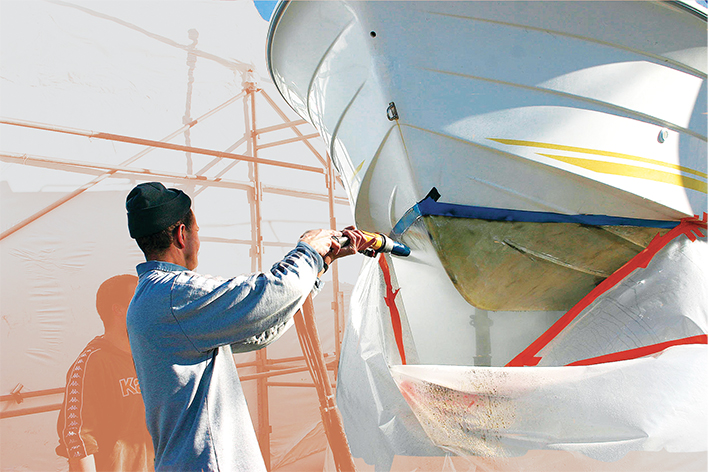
(180, 236)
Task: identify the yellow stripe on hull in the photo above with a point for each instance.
(559, 147)
(625, 170)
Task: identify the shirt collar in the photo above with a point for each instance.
(159, 265)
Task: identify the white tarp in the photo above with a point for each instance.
(665, 301)
(648, 413)
(602, 411)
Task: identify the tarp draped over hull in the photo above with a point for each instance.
(600, 411)
(603, 411)
(657, 299)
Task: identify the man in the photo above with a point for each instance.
(101, 424)
(183, 327)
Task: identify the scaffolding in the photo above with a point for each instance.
(267, 368)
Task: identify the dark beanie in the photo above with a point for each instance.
(153, 208)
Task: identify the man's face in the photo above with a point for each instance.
(192, 246)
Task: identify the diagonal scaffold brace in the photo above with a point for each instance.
(332, 420)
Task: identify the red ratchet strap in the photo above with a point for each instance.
(641, 351)
(390, 300)
(690, 227)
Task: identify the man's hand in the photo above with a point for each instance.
(324, 242)
(358, 242)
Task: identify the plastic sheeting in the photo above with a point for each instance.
(378, 422)
(602, 411)
(666, 301)
(648, 413)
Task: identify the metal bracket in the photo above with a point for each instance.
(391, 112)
(17, 393)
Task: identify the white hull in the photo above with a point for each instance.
(558, 108)
(553, 108)
(541, 106)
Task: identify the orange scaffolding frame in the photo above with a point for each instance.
(266, 368)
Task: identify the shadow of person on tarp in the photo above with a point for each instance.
(101, 424)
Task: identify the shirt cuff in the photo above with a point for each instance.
(318, 258)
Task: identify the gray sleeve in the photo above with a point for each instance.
(247, 312)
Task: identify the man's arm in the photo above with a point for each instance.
(250, 312)
(77, 418)
(84, 464)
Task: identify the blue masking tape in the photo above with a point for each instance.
(430, 207)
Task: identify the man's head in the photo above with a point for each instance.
(113, 298)
(162, 223)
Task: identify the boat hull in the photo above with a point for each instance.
(565, 108)
(529, 153)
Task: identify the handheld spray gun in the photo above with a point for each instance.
(380, 244)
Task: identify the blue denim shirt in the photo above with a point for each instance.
(182, 328)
